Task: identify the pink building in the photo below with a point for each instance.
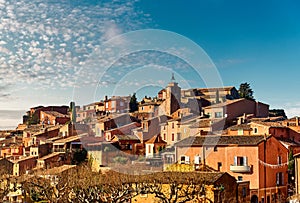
(258, 159)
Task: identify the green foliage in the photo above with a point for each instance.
(79, 156)
(35, 196)
(133, 104)
(245, 91)
(73, 111)
(33, 119)
(291, 165)
(141, 158)
(277, 112)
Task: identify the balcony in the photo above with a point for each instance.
(240, 169)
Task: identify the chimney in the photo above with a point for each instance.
(105, 98)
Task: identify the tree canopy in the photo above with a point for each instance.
(133, 104)
(245, 91)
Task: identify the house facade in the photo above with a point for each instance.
(258, 159)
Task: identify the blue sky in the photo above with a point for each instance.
(47, 48)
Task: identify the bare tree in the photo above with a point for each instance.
(171, 187)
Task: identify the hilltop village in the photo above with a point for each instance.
(238, 147)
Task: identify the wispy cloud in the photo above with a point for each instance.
(292, 109)
(50, 41)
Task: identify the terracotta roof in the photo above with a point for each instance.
(269, 124)
(226, 103)
(125, 137)
(215, 88)
(56, 114)
(150, 104)
(156, 139)
(206, 122)
(186, 118)
(51, 155)
(244, 126)
(70, 139)
(23, 159)
(212, 140)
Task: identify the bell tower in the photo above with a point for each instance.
(173, 96)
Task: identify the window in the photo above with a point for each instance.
(197, 159)
(218, 114)
(113, 104)
(219, 166)
(165, 136)
(240, 132)
(173, 137)
(240, 178)
(173, 126)
(255, 130)
(240, 161)
(244, 191)
(215, 149)
(279, 179)
(279, 160)
(184, 159)
(149, 149)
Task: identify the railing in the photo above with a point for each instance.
(240, 169)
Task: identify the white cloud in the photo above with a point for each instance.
(50, 40)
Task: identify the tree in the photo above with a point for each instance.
(245, 91)
(133, 104)
(79, 156)
(277, 112)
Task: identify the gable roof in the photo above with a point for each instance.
(55, 114)
(244, 126)
(269, 124)
(212, 140)
(125, 137)
(156, 139)
(207, 122)
(226, 103)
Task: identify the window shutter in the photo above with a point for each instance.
(277, 179)
(282, 178)
(187, 160)
(197, 160)
(235, 160)
(245, 161)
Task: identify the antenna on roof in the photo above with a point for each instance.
(173, 78)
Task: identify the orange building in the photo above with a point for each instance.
(53, 117)
(117, 104)
(258, 159)
(232, 109)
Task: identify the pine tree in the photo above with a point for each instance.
(245, 91)
(133, 104)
